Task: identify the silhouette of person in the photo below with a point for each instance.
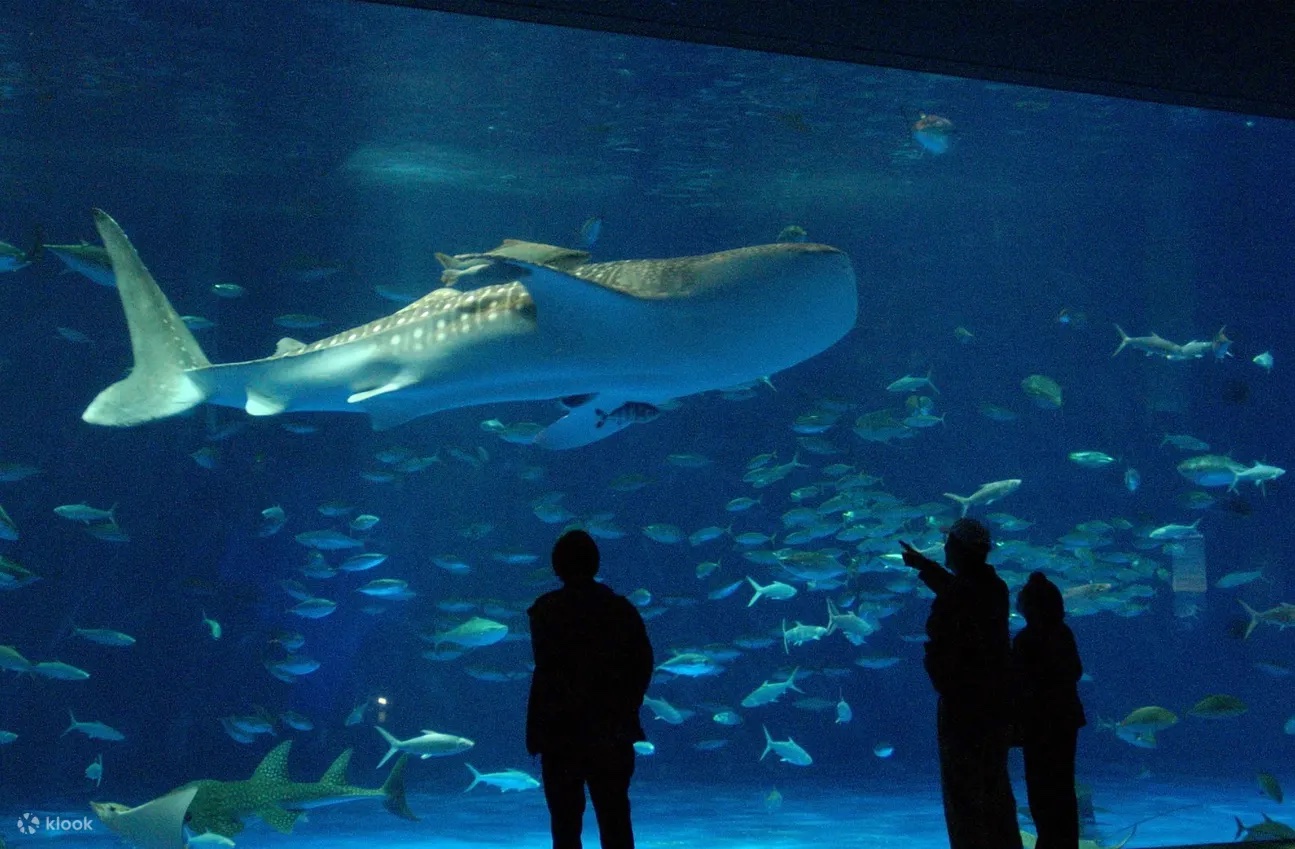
(593, 664)
(968, 659)
(1049, 713)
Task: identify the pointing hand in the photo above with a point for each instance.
(913, 557)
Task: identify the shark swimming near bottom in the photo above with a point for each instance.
(218, 807)
(612, 339)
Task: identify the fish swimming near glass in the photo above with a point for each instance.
(610, 335)
(210, 806)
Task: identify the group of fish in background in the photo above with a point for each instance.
(836, 535)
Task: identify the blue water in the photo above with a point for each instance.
(312, 153)
(866, 812)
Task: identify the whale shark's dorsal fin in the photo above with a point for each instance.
(274, 766)
(158, 824)
(336, 774)
(288, 345)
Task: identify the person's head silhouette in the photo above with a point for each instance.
(575, 557)
(1040, 601)
(966, 545)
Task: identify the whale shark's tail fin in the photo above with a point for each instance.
(159, 384)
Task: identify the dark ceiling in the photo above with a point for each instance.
(1236, 55)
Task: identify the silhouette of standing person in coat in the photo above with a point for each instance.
(1049, 713)
(968, 659)
(593, 664)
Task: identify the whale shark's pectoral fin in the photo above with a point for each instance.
(261, 404)
(279, 819)
(400, 381)
(595, 417)
(158, 824)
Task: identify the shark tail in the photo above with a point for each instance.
(392, 742)
(964, 500)
(791, 681)
(159, 384)
(1124, 339)
(1250, 626)
(393, 791)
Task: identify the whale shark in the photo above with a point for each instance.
(611, 339)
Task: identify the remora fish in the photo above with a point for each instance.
(611, 334)
(90, 261)
(218, 806)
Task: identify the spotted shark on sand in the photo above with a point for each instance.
(208, 806)
(605, 337)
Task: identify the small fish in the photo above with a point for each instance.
(1091, 459)
(363, 522)
(509, 779)
(663, 533)
(590, 231)
(207, 456)
(104, 636)
(1264, 361)
(1238, 578)
(727, 717)
(912, 384)
(8, 528)
(95, 730)
(788, 751)
(631, 412)
(58, 670)
(272, 521)
(85, 513)
(197, 322)
(228, 290)
(843, 712)
(883, 750)
(1132, 479)
(314, 608)
(987, 494)
(1269, 787)
(327, 540)
(12, 259)
(776, 590)
(1218, 706)
(386, 588)
(362, 562)
(12, 660)
(73, 335)
(300, 321)
(213, 627)
(94, 771)
(689, 461)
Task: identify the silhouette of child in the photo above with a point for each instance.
(1049, 713)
